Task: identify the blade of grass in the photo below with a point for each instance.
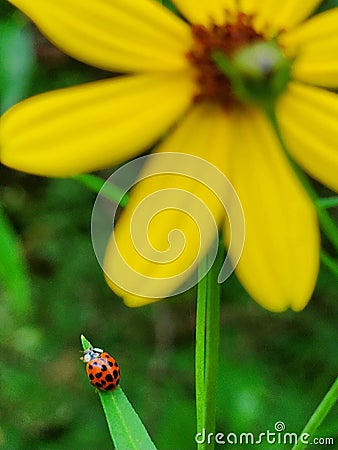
(207, 347)
(319, 415)
(201, 310)
(125, 427)
(212, 342)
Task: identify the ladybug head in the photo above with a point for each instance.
(91, 353)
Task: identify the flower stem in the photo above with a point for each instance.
(212, 343)
(330, 263)
(327, 224)
(200, 346)
(319, 415)
(330, 202)
(110, 191)
(207, 347)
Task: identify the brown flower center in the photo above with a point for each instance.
(228, 38)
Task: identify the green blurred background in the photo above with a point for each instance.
(273, 367)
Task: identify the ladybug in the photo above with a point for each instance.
(102, 369)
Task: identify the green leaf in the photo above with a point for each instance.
(13, 271)
(125, 426)
(17, 61)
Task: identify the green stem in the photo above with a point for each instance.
(330, 263)
(110, 191)
(207, 347)
(200, 347)
(212, 343)
(319, 415)
(330, 202)
(327, 224)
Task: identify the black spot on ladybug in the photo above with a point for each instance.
(109, 387)
(98, 375)
(103, 383)
(109, 377)
(90, 367)
(95, 363)
(98, 384)
(110, 364)
(117, 381)
(91, 376)
(116, 373)
(104, 368)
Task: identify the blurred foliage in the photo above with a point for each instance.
(17, 60)
(13, 270)
(272, 367)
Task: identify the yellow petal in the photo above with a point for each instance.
(273, 16)
(205, 12)
(308, 119)
(279, 263)
(118, 35)
(314, 45)
(92, 126)
(171, 219)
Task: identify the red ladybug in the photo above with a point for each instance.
(102, 369)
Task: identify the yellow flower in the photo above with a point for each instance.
(174, 85)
